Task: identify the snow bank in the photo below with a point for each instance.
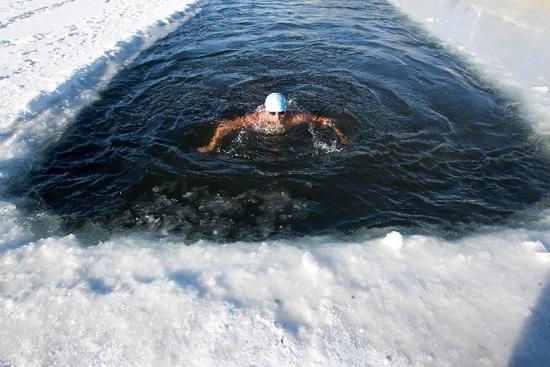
(54, 53)
(393, 301)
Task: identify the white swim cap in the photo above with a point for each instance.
(275, 102)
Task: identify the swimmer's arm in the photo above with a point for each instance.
(224, 128)
(318, 121)
(343, 139)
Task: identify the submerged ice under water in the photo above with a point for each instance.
(431, 144)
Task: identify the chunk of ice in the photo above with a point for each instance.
(393, 240)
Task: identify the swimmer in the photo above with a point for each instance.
(275, 119)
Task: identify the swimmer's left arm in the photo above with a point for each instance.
(318, 121)
(337, 131)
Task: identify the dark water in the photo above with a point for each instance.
(432, 148)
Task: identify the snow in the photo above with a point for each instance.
(52, 51)
(393, 240)
(131, 302)
(391, 301)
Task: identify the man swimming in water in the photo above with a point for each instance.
(275, 119)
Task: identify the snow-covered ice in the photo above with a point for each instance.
(53, 52)
(391, 301)
(312, 302)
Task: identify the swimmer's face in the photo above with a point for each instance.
(276, 116)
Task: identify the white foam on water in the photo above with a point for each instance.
(130, 301)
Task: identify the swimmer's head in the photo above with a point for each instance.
(275, 102)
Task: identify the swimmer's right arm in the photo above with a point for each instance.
(222, 130)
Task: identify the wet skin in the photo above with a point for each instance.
(271, 123)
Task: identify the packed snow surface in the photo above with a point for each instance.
(392, 301)
(395, 301)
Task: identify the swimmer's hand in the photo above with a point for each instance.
(343, 140)
(330, 123)
(327, 122)
(205, 149)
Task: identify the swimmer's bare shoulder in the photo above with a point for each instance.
(296, 117)
(240, 122)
